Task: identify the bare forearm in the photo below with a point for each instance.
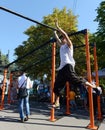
(57, 38)
(63, 33)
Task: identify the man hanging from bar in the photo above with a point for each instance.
(66, 70)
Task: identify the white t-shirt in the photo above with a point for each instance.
(26, 80)
(66, 56)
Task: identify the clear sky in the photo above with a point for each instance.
(12, 27)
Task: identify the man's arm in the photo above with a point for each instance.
(57, 38)
(64, 34)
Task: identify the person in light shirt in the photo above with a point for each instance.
(24, 81)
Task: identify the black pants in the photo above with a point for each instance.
(94, 102)
(67, 73)
(0, 91)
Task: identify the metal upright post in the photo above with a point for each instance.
(9, 98)
(52, 118)
(91, 124)
(3, 88)
(97, 83)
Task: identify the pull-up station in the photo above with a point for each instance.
(24, 17)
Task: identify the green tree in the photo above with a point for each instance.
(37, 35)
(99, 36)
(3, 62)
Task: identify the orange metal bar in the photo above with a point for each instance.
(97, 83)
(67, 99)
(52, 118)
(9, 99)
(3, 89)
(96, 65)
(91, 125)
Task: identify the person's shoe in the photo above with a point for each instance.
(26, 118)
(22, 120)
(56, 105)
(98, 91)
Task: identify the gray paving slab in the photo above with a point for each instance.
(102, 125)
(40, 119)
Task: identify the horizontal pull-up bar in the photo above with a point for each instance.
(35, 49)
(28, 53)
(76, 33)
(79, 32)
(24, 17)
(38, 62)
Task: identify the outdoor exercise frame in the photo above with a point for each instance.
(91, 125)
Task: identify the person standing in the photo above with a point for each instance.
(72, 96)
(24, 81)
(66, 70)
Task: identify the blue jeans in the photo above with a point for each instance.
(22, 102)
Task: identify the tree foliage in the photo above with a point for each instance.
(99, 36)
(4, 61)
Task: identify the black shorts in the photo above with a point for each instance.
(67, 73)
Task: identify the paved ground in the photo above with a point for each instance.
(39, 119)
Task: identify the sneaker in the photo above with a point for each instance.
(56, 105)
(22, 120)
(98, 91)
(26, 118)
